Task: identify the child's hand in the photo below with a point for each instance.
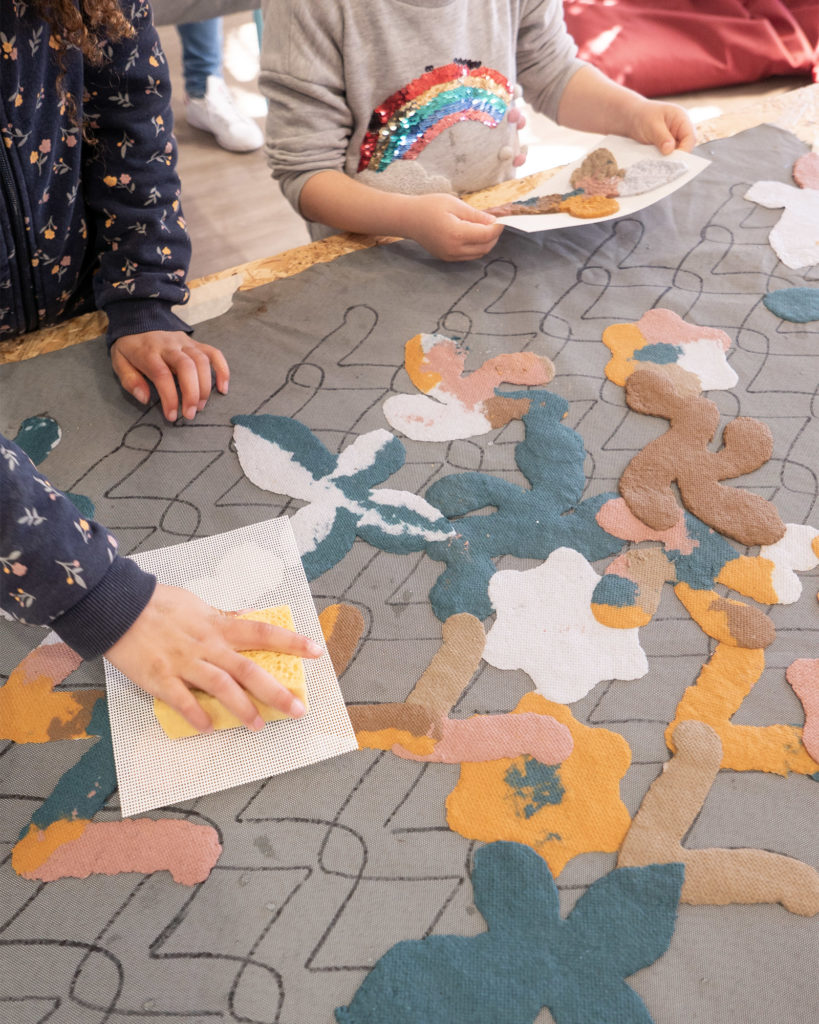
(168, 358)
(179, 642)
(518, 119)
(449, 228)
(664, 125)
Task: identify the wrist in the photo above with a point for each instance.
(629, 117)
(98, 621)
(400, 214)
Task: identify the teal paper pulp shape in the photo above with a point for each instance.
(530, 957)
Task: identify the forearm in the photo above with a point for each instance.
(591, 102)
(59, 569)
(443, 224)
(332, 198)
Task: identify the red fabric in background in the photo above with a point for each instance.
(684, 45)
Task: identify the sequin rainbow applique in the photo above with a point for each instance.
(406, 122)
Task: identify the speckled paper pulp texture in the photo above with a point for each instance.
(324, 869)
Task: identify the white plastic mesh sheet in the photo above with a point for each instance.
(253, 567)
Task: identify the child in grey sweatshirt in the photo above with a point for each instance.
(382, 113)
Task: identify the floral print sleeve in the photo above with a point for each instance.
(59, 569)
(131, 186)
(89, 206)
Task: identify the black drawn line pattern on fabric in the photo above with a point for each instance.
(381, 804)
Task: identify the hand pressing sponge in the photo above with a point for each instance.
(288, 669)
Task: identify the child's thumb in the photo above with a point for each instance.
(665, 142)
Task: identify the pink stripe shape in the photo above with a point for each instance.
(803, 675)
(144, 845)
(491, 737)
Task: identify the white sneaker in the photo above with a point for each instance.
(216, 113)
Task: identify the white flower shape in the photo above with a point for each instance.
(795, 238)
(545, 626)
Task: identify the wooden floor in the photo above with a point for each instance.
(234, 209)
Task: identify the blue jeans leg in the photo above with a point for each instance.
(201, 53)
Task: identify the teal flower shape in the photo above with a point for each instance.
(526, 522)
(530, 957)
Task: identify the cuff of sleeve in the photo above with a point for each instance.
(551, 109)
(140, 316)
(105, 614)
(292, 182)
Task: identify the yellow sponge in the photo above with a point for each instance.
(288, 669)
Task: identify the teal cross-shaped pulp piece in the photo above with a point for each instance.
(530, 957)
(281, 454)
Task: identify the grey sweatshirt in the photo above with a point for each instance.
(407, 95)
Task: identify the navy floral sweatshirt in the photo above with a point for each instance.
(87, 224)
(58, 568)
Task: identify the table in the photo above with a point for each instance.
(323, 871)
(796, 111)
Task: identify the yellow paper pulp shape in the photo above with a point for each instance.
(590, 816)
(722, 685)
(288, 669)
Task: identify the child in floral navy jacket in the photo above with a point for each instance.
(60, 570)
(89, 205)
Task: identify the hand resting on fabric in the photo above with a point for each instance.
(167, 359)
(180, 642)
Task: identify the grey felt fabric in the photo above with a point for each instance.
(326, 868)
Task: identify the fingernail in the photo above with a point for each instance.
(224, 388)
(297, 709)
(314, 649)
(204, 732)
(257, 724)
(200, 407)
(140, 395)
(172, 415)
(190, 412)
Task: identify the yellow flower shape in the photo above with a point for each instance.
(560, 811)
(110, 180)
(49, 233)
